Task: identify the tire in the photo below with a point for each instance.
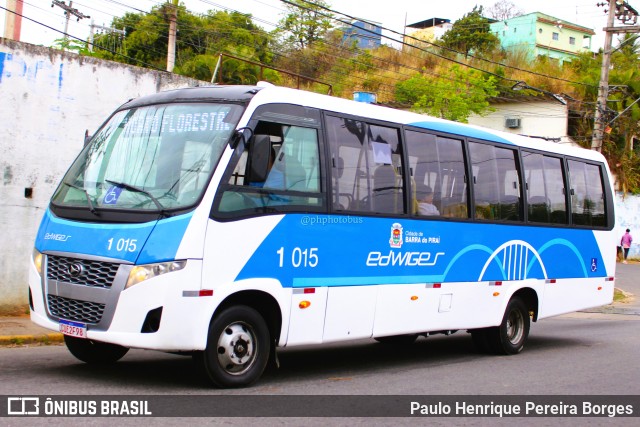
(401, 340)
(511, 336)
(238, 348)
(94, 352)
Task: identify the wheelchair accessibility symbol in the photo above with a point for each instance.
(594, 264)
(111, 198)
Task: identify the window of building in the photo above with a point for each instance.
(572, 40)
(555, 36)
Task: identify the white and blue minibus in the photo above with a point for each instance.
(228, 221)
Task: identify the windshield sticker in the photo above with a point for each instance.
(112, 196)
(144, 125)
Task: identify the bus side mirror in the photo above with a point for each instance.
(259, 158)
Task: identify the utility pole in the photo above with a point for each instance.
(68, 11)
(13, 21)
(171, 51)
(603, 87)
(103, 28)
(621, 10)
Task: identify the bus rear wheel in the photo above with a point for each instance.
(512, 334)
(94, 352)
(238, 347)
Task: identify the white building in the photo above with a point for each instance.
(536, 116)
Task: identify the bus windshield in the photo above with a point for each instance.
(152, 158)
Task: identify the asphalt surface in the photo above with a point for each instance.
(19, 330)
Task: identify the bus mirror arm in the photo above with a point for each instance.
(87, 137)
(240, 135)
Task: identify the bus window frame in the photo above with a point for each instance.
(467, 168)
(606, 190)
(518, 165)
(565, 183)
(263, 113)
(329, 165)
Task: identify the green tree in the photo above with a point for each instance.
(305, 22)
(471, 34)
(200, 40)
(453, 96)
(622, 118)
(71, 44)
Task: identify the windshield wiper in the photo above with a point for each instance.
(137, 190)
(77, 187)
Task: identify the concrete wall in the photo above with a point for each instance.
(49, 99)
(628, 216)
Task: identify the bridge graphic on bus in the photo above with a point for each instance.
(516, 258)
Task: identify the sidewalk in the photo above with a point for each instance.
(20, 330)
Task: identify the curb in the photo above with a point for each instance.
(18, 340)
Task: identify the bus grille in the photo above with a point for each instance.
(91, 273)
(73, 309)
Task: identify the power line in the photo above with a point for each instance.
(76, 38)
(444, 48)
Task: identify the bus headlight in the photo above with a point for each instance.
(37, 260)
(140, 273)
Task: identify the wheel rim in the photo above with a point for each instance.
(237, 348)
(515, 327)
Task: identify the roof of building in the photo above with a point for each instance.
(428, 23)
(548, 19)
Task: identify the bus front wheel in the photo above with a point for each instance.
(238, 348)
(511, 335)
(94, 352)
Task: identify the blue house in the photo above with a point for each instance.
(365, 34)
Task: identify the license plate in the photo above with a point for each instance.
(73, 329)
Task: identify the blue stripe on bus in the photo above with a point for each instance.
(461, 130)
(348, 251)
(153, 241)
(319, 282)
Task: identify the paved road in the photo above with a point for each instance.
(627, 279)
(579, 354)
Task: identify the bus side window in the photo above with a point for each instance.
(544, 188)
(366, 166)
(587, 194)
(438, 168)
(496, 183)
(279, 170)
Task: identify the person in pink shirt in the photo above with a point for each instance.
(625, 242)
